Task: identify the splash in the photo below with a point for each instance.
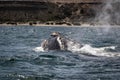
(38, 49)
(73, 46)
(87, 49)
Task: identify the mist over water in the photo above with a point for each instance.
(110, 13)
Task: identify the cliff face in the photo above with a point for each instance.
(24, 12)
(43, 12)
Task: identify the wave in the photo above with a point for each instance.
(88, 49)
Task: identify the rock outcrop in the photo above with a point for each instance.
(76, 13)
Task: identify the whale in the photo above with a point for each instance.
(58, 42)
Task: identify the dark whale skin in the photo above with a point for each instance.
(51, 44)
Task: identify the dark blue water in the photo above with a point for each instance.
(19, 60)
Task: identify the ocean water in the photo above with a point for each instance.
(21, 57)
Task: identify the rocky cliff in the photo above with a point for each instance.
(12, 12)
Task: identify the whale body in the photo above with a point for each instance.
(58, 42)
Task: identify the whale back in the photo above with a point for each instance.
(53, 44)
(59, 43)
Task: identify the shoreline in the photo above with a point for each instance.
(63, 25)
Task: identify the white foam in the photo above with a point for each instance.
(87, 49)
(72, 46)
(98, 51)
(38, 49)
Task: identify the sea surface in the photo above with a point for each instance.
(21, 57)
